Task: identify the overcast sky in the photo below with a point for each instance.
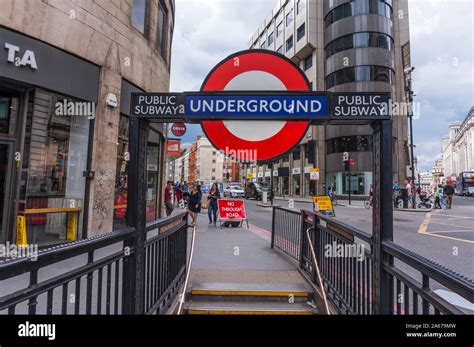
(442, 52)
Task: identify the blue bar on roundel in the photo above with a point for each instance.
(256, 106)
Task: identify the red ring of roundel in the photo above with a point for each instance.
(276, 145)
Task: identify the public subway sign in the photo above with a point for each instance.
(317, 107)
(360, 105)
(164, 107)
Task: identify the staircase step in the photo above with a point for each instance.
(249, 291)
(245, 308)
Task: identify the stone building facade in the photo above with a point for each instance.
(342, 46)
(88, 53)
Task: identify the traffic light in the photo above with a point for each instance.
(310, 148)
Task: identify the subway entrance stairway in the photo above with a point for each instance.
(234, 272)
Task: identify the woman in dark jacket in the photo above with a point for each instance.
(214, 195)
(194, 204)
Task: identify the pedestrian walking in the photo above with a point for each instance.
(437, 200)
(169, 198)
(194, 203)
(449, 191)
(441, 197)
(409, 191)
(214, 195)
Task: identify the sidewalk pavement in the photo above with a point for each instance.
(238, 255)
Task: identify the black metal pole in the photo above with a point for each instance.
(382, 221)
(134, 264)
(349, 174)
(412, 160)
(271, 183)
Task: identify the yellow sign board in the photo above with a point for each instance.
(250, 175)
(21, 231)
(323, 204)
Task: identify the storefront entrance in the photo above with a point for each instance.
(9, 123)
(6, 163)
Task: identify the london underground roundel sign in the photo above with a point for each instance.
(255, 140)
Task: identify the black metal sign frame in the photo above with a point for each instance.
(172, 107)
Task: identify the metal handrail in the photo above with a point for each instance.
(446, 277)
(162, 222)
(315, 263)
(365, 236)
(191, 253)
(14, 267)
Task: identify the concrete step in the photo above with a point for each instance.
(246, 292)
(246, 308)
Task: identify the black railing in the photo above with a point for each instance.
(286, 231)
(345, 257)
(91, 276)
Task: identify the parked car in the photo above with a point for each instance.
(255, 190)
(234, 192)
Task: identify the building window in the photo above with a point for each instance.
(139, 14)
(279, 29)
(161, 36)
(270, 38)
(359, 40)
(280, 49)
(300, 4)
(262, 46)
(360, 74)
(356, 143)
(300, 32)
(289, 43)
(296, 153)
(308, 62)
(354, 8)
(289, 18)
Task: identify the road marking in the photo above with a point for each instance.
(449, 238)
(424, 224)
(452, 231)
(452, 225)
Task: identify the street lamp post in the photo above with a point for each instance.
(410, 93)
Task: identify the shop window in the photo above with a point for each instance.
(56, 146)
(153, 176)
(121, 175)
(8, 114)
(296, 185)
